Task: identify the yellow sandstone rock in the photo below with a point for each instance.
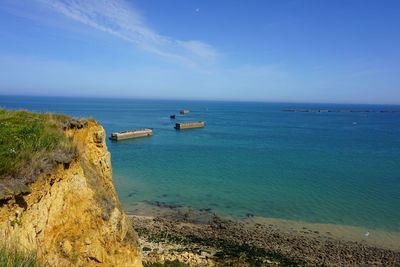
(72, 217)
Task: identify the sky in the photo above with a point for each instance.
(334, 51)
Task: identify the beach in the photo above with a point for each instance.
(254, 242)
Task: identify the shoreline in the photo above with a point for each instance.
(253, 242)
(373, 237)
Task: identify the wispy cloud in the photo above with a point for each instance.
(120, 19)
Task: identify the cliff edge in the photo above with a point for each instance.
(71, 215)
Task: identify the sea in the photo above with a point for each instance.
(251, 158)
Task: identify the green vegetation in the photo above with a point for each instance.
(12, 257)
(30, 143)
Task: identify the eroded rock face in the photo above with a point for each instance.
(72, 215)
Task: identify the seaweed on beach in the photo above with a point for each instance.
(227, 251)
(253, 255)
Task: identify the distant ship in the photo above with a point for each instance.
(184, 111)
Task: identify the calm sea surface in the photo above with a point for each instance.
(252, 158)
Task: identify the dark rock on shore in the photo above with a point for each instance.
(162, 204)
(261, 245)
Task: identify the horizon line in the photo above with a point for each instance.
(197, 99)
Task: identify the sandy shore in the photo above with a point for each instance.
(256, 242)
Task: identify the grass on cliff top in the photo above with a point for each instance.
(31, 142)
(12, 257)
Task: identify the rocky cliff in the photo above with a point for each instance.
(71, 215)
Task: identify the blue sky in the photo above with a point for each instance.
(291, 51)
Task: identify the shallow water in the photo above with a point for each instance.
(252, 158)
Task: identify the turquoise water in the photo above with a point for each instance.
(341, 168)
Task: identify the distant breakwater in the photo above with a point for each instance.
(340, 110)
